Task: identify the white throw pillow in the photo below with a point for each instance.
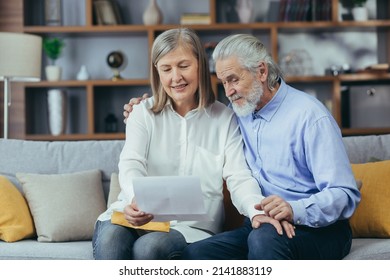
(115, 189)
(64, 206)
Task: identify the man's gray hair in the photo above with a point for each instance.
(250, 51)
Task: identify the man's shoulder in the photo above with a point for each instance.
(309, 102)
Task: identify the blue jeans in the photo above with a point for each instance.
(264, 243)
(115, 242)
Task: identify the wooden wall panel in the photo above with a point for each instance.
(11, 20)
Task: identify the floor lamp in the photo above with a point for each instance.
(20, 60)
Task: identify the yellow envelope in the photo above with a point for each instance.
(119, 219)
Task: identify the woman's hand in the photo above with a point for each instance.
(136, 217)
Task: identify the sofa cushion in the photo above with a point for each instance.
(369, 249)
(359, 184)
(16, 222)
(115, 189)
(64, 206)
(361, 149)
(30, 249)
(372, 215)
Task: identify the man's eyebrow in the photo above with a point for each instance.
(230, 76)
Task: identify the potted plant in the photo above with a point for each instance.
(359, 3)
(359, 10)
(53, 49)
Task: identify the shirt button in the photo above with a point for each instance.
(299, 222)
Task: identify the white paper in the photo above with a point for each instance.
(170, 198)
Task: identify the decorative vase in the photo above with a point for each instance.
(53, 72)
(152, 14)
(53, 12)
(244, 10)
(56, 100)
(360, 13)
(83, 74)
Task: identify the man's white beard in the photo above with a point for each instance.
(251, 101)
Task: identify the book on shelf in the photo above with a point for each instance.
(305, 10)
(195, 19)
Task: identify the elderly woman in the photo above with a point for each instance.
(181, 131)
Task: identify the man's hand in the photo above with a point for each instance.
(288, 228)
(127, 108)
(136, 217)
(277, 208)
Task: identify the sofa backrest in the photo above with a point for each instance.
(59, 157)
(361, 149)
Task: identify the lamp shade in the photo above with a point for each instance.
(20, 56)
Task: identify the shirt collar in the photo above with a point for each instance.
(168, 105)
(269, 110)
(207, 110)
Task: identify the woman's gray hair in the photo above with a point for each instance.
(250, 51)
(171, 40)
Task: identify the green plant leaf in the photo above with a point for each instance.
(53, 47)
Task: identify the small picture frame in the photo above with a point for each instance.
(107, 12)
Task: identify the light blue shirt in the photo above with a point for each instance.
(295, 150)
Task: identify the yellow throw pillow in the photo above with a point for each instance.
(16, 222)
(372, 215)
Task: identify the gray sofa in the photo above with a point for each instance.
(74, 156)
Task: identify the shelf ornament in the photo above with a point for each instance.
(117, 61)
(53, 47)
(358, 9)
(152, 14)
(244, 10)
(57, 111)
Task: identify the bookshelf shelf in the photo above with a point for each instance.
(88, 43)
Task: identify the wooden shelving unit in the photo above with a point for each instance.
(93, 90)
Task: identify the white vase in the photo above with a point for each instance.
(83, 74)
(360, 13)
(53, 72)
(56, 100)
(152, 14)
(244, 10)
